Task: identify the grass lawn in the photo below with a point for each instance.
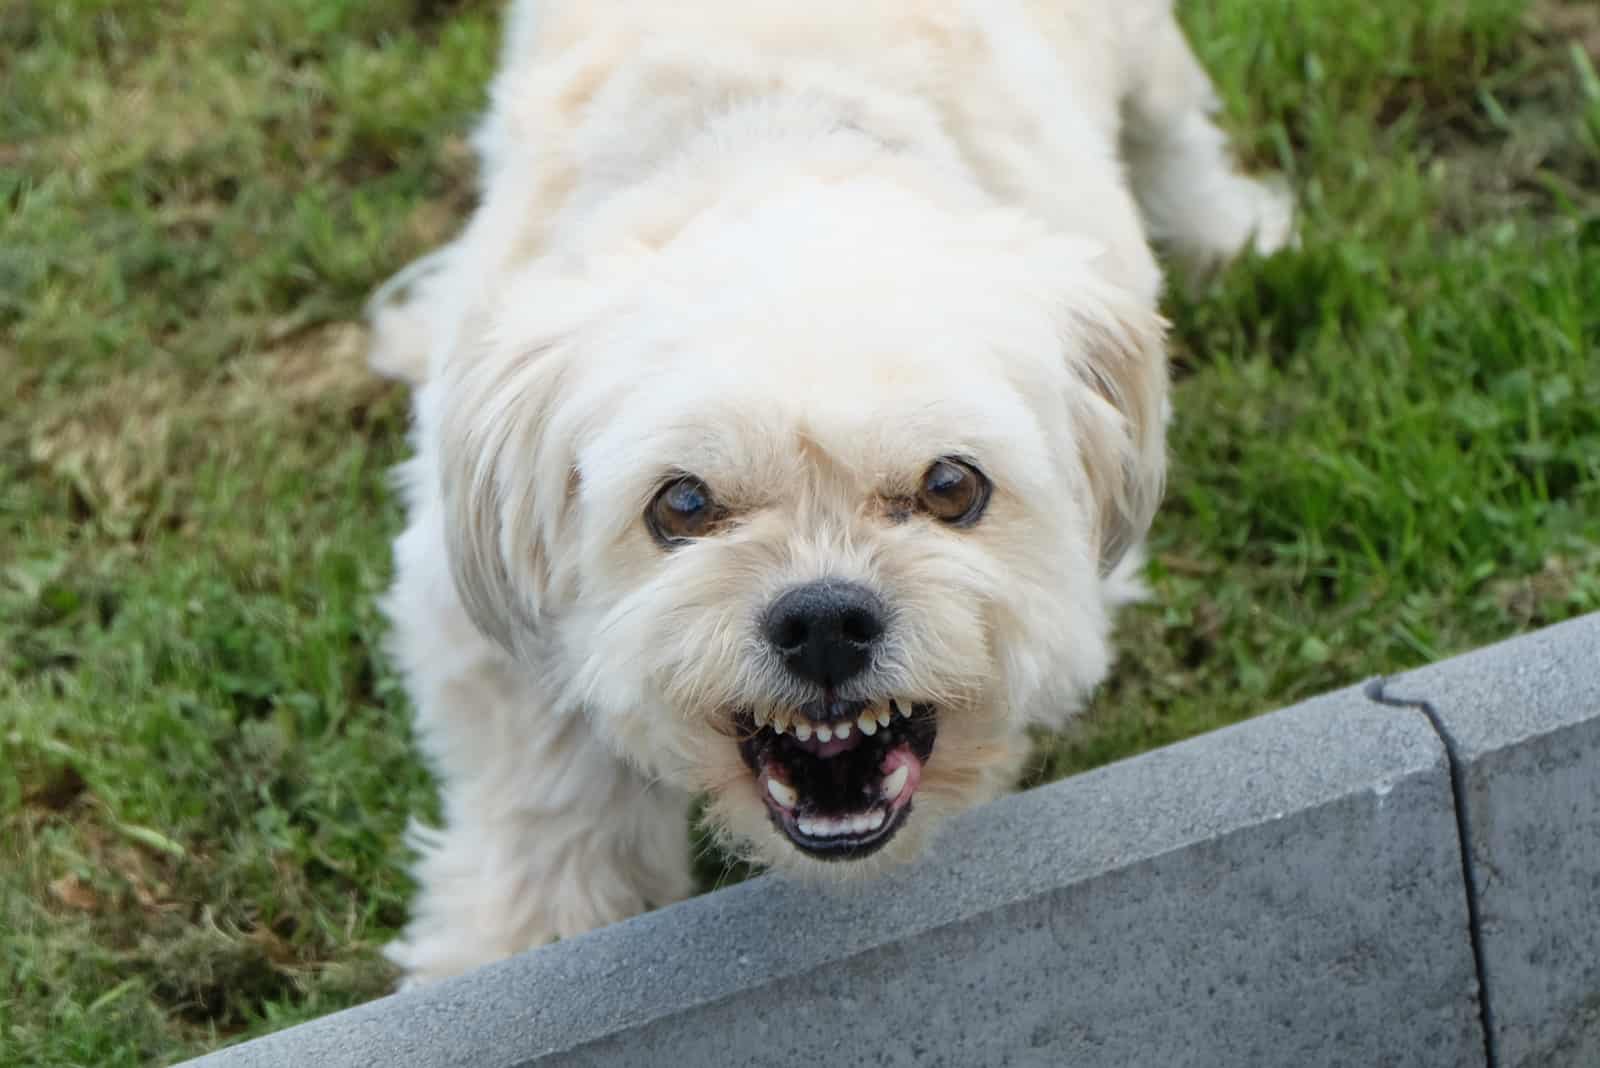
(1387, 449)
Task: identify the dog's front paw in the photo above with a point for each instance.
(488, 890)
(425, 957)
(482, 897)
(434, 947)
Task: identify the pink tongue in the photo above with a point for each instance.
(835, 747)
(832, 747)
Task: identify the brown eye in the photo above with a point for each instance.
(682, 509)
(954, 492)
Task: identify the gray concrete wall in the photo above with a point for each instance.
(1292, 891)
(1522, 720)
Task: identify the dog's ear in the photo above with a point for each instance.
(508, 475)
(1119, 352)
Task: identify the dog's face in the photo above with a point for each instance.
(809, 507)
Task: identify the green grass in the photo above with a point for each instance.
(1387, 449)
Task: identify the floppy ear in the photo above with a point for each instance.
(1120, 355)
(508, 475)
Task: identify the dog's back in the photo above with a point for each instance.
(1023, 92)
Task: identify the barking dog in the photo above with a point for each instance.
(788, 417)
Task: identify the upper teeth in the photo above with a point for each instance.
(871, 719)
(835, 826)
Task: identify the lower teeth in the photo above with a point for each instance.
(783, 793)
(838, 826)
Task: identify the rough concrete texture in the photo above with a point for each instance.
(1283, 892)
(1523, 721)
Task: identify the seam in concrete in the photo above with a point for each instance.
(1376, 692)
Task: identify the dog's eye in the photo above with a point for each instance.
(954, 492)
(682, 509)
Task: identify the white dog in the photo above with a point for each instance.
(787, 419)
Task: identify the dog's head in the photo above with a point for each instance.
(810, 506)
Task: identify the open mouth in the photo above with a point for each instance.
(839, 787)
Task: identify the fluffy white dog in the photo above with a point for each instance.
(787, 419)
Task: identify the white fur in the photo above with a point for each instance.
(800, 251)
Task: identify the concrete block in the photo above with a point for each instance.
(1523, 721)
(1283, 892)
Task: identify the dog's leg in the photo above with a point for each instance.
(405, 314)
(1194, 200)
(546, 834)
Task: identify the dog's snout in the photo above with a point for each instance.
(825, 631)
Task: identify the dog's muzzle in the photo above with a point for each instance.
(839, 781)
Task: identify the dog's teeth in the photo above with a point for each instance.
(895, 782)
(824, 734)
(802, 730)
(868, 725)
(883, 715)
(841, 730)
(780, 722)
(783, 793)
(837, 826)
(905, 712)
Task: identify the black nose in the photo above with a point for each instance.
(825, 631)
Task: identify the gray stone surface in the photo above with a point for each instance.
(1523, 719)
(1286, 892)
